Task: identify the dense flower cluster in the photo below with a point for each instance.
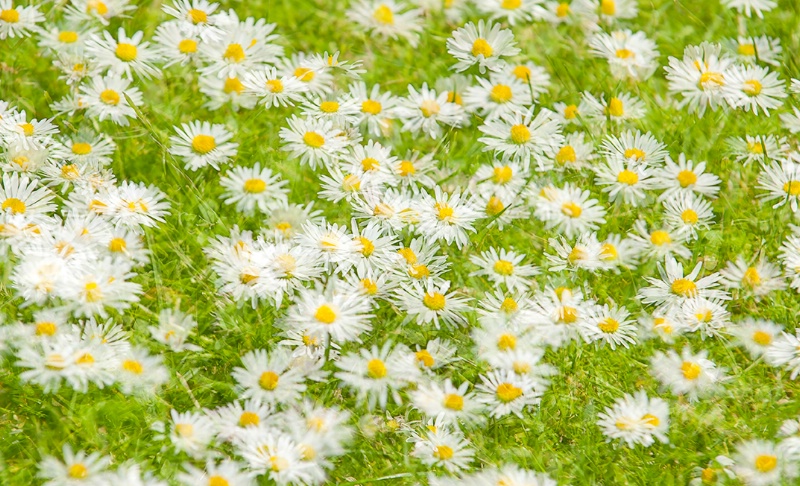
(397, 232)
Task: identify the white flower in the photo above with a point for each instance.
(202, 144)
(636, 419)
(483, 45)
(693, 375)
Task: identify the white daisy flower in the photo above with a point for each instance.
(254, 188)
(202, 144)
(484, 45)
(693, 375)
(106, 98)
(754, 87)
(124, 55)
(636, 419)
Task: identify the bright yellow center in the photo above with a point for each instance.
(218, 481)
(376, 369)
(443, 452)
(751, 278)
(690, 370)
(313, 139)
(78, 471)
(454, 402)
(184, 430)
(608, 325)
(81, 148)
(628, 177)
(501, 93)
(444, 212)
(329, 106)
(624, 53)
(482, 48)
(634, 153)
(792, 188)
(615, 107)
(234, 53)
(521, 72)
(126, 52)
(187, 46)
(254, 186)
(68, 37)
(608, 252)
(369, 286)
(278, 463)
(494, 206)
(503, 174)
(746, 49)
(684, 287)
(407, 168)
(9, 16)
(384, 15)
(752, 87)
(371, 107)
(571, 112)
(766, 463)
(568, 315)
(429, 108)
(511, 4)
(15, 205)
(110, 97)
(268, 380)
(520, 134)
(571, 209)
(203, 144)
(689, 216)
(233, 85)
(434, 301)
(325, 314)
(562, 10)
(710, 77)
(249, 418)
(651, 420)
(304, 74)
(507, 342)
(408, 254)
(608, 7)
(506, 392)
(132, 366)
(424, 357)
(46, 329)
(503, 267)
(686, 178)
(660, 237)
(198, 16)
(275, 86)
(762, 338)
(566, 154)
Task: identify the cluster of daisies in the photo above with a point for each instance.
(372, 300)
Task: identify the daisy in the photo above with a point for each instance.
(586, 254)
(107, 98)
(503, 392)
(140, 373)
(625, 181)
(337, 315)
(387, 18)
(784, 351)
(124, 55)
(447, 403)
(483, 45)
(570, 114)
(376, 373)
(749, 7)
(640, 147)
(222, 91)
(377, 108)
(756, 335)
(504, 268)
(174, 327)
(576, 153)
(558, 314)
(447, 217)
(196, 18)
(659, 243)
(687, 374)
(190, 432)
(22, 196)
(505, 179)
(617, 252)
(431, 302)
(750, 49)
(619, 108)
(520, 136)
(279, 457)
(754, 87)
(570, 211)
(80, 11)
(782, 181)
(610, 325)
(513, 11)
(225, 473)
(302, 66)
(75, 469)
(445, 449)
(18, 21)
(707, 316)
(269, 378)
(675, 288)
(274, 89)
(629, 55)
(314, 142)
(760, 279)
(427, 111)
(436, 354)
(686, 214)
(610, 10)
(759, 148)
(136, 205)
(63, 39)
(235, 53)
(636, 419)
(500, 94)
(761, 463)
(534, 77)
(202, 144)
(253, 188)
(173, 45)
(700, 77)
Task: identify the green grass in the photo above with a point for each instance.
(559, 437)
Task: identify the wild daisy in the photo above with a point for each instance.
(687, 214)
(387, 18)
(106, 98)
(376, 373)
(640, 147)
(448, 403)
(784, 351)
(430, 302)
(124, 55)
(754, 87)
(504, 268)
(269, 377)
(520, 136)
(673, 287)
(202, 144)
(699, 77)
(484, 45)
(782, 183)
(625, 181)
(504, 392)
(636, 419)
(659, 242)
(761, 463)
(756, 335)
(314, 142)
(253, 188)
(333, 315)
(759, 279)
(426, 111)
(609, 325)
(446, 217)
(18, 21)
(274, 89)
(629, 55)
(75, 468)
(693, 375)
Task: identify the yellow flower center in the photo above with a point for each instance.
(755, 148)
(313, 139)
(650, 420)
(503, 174)
(255, 186)
(429, 108)
(615, 107)
(634, 153)
(369, 286)
(684, 287)
(507, 342)
(384, 15)
(562, 10)
(92, 291)
(482, 48)
(454, 401)
(407, 168)
(198, 16)
(608, 7)
(304, 74)
(792, 188)
(444, 212)
(274, 86)
(434, 301)
(408, 254)
(566, 154)
(424, 357)
(278, 463)
(608, 252)
(268, 380)
(126, 52)
(568, 315)
(628, 177)
(78, 471)
(371, 107)
(218, 481)
(68, 37)
(624, 53)
(571, 112)
(234, 53)
(509, 305)
(329, 106)
(110, 97)
(520, 134)
(689, 216)
(132, 366)
(608, 325)
(46, 329)
(376, 369)
(81, 148)
(708, 475)
(369, 164)
(660, 237)
(249, 419)
(233, 85)
(501, 93)
(325, 314)
(762, 338)
(351, 183)
(504, 268)
(9, 16)
(690, 370)
(203, 144)
(523, 73)
(494, 206)
(15, 205)
(506, 392)
(752, 87)
(443, 452)
(746, 49)
(184, 430)
(511, 4)
(571, 209)
(98, 6)
(710, 77)
(766, 463)
(187, 46)
(751, 278)
(686, 178)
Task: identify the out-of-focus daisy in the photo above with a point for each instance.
(202, 144)
(691, 374)
(484, 45)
